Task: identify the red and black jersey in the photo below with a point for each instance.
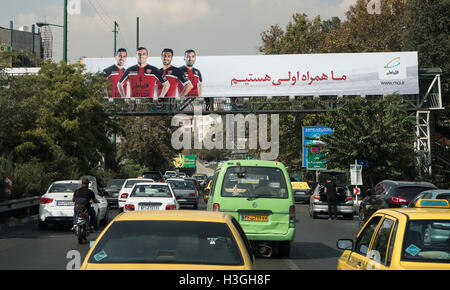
(114, 73)
(195, 77)
(176, 79)
(143, 80)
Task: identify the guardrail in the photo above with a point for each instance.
(19, 208)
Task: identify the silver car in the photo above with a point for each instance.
(318, 200)
(185, 191)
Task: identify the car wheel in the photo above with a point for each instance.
(105, 220)
(42, 225)
(312, 214)
(284, 249)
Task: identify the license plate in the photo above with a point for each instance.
(254, 218)
(148, 207)
(64, 203)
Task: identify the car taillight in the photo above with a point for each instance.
(160, 180)
(292, 214)
(349, 197)
(124, 195)
(171, 207)
(129, 206)
(192, 194)
(398, 200)
(45, 200)
(316, 197)
(216, 207)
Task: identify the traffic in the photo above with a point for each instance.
(249, 214)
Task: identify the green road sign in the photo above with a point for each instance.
(315, 155)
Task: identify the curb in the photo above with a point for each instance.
(17, 223)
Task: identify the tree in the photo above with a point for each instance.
(381, 132)
(53, 126)
(147, 141)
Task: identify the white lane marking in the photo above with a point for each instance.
(291, 265)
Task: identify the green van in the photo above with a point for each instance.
(259, 195)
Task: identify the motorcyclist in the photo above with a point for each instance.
(82, 198)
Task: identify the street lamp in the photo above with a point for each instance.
(40, 24)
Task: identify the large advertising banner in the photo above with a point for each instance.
(296, 75)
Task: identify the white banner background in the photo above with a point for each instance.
(297, 75)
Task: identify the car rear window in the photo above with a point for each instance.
(444, 196)
(64, 187)
(181, 184)
(151, 190)
(167, 242)
(409, 192)
(427, 241)
(117, 183)
(131, 183)
(265, 182)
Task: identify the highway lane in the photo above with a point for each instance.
(314, 248)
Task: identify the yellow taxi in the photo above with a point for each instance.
(401, 239)
(171, 240)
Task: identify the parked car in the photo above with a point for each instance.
(390, 194)
(126, 190)
(318, 200)
(151, 196)
(56, 205)
(112, 189)
(258, 194)
(171, 240)
(431, 194)
(185, 191)
(401, 239)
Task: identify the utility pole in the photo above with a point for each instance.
(116, 25)
(137, 33)
(65, 33)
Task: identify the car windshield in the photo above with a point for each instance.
(181, 184)
(64, 187)
(151, 190)
(409, 192)
(131, 183)
(167, 242)
(115, 183)
(427, 241)
(246, 181)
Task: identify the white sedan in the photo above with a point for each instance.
(126, 190)
(56, 204)
(151, 196)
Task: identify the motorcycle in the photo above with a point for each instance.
(82, 225)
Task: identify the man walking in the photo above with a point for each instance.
(331, 191)
(115, 72)
(142, 78)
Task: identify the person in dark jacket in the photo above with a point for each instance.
(331, 192)
(82, 198)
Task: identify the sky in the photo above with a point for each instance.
(211, 27)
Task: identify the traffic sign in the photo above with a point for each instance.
(356, 191)
(8, 183)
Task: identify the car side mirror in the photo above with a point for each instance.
(345, 244)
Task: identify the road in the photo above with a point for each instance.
(314, 248)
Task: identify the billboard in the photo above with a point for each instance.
(312, 146)
(294, 75)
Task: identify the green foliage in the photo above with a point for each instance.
(52, 126)
(381, 132)
(147, 140)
